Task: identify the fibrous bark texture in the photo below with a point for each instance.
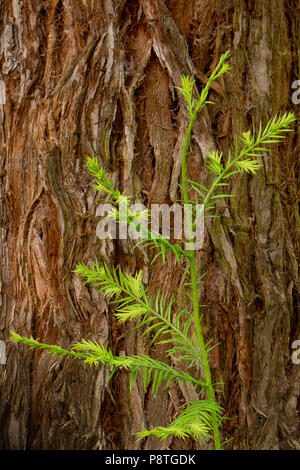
(97, 76)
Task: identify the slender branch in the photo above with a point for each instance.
(206, 367)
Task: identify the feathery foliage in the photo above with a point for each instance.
(156, 316)
(195, 421)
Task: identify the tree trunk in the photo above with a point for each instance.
(98, 76)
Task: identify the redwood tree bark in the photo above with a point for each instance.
(81, 77)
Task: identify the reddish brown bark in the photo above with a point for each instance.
(98, 77)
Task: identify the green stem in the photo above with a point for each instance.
(192, 263)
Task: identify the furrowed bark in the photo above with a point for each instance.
(98, 77)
